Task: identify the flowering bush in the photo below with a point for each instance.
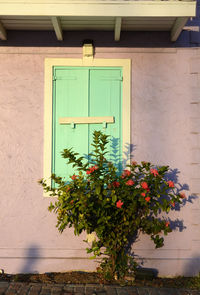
(113, 208)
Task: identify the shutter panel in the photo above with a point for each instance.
(70, 100)
(105, 100)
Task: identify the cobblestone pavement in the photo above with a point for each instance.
(66, 289)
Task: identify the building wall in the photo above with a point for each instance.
(165, 108)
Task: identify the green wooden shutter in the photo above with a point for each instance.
(105, 100)
(84, 92)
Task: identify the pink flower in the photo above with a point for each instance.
(147, 199)
(130, 182)
(154, 172)
(182, 195)
(74, 177)
(119, 204)
(143, 194)
(144, 185)
(126, 173)
(167, 224)
(170, 183)
(116, 184)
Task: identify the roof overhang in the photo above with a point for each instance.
(116, 15)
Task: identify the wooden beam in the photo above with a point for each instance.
(118, 24)
(177, 27)
(191, 28)
(3, 34)
(86, 120)
(57, 27)
(112, 8)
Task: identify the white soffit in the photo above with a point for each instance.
(112, 15)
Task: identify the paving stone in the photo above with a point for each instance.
(24, 290)
(3, 287)
(45, 291)
(68, 288)
(13, 289)
(183, 292)
(99, 292)
(132, 291)
(153, 291)
(79, 289)
(94, 289)
(89, 291)
(166, 291)
(56, 290)
(35, 288)
(111, 291)
(122, 291)
(145, 291)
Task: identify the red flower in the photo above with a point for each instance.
(67, 188)
(71, 202)
(170, 183)
(173, 204)
(130, 182)
(126, 173)
(74, 177)
(119, 204)
(144, 185)
(134, 163)
(182, 195)
(147, 199)
(154, 172)
(167, 224)
(143, 194)
(116, 184)
(92, 169)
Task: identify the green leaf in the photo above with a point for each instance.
(98, 189)
(114, 198)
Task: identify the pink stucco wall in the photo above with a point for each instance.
(165, 130)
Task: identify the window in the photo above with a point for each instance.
(100, 91)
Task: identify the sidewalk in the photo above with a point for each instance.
(7, 288)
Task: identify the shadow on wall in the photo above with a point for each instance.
(114, 151)
(32, 255)
(173, 175)
(192, 268)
